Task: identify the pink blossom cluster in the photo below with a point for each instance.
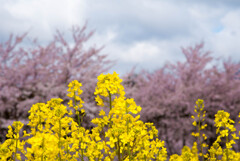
(31, 72)
(168, 94)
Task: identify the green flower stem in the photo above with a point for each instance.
(15, 154)
(81, 150)
(82, 155)
(74, 99)
(42, 148)
(79, 122)
(118, 150)
(199, 132)
(16, 148)
(67, 149)
(59, 143)
(129, 153)
(199, 140)
(110, 106)
(226, 143)
(158, 156)
(110, 100)
(104, 137)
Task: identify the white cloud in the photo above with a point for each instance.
(136, 32)
(140, 52)
(226, 42)
(139, 18)
(231, 20)
(42, 17)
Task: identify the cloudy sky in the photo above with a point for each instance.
(141, 33)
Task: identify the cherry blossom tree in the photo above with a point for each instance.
(31, 72)
(168, 94)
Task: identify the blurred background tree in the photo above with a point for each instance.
(168, 94)
(31, 73)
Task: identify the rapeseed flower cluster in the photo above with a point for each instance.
(119, 134)
(225, 131)
(187, 154)
(75, 99)
(107, 86)
(198, 122)
(55, 135)
(74, 92)
(12, 147)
